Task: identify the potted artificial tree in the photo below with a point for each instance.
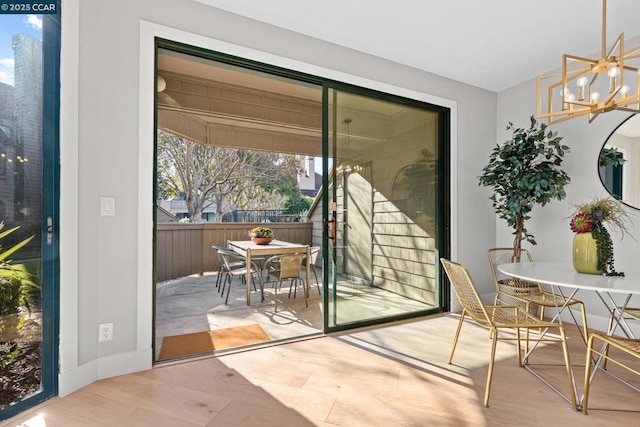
(524, 172)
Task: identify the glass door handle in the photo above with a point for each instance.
(49, 230)
(330, 229)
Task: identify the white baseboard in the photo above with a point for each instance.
(105, 367)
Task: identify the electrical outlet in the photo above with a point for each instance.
(105, 332)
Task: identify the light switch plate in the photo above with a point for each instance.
(107, 206)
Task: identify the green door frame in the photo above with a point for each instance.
(50, 217)
(443, 146)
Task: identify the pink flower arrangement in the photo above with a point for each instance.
(594, 214)
(581, 223)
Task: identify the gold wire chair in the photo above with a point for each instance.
(495, 318)
(629, 313)
(515, 291)
(627, 345)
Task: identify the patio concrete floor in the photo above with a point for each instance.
(193, 304)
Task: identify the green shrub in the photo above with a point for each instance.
(10, 325)
(15, 280)
(15, 286)
(8, 353)
(11, 294)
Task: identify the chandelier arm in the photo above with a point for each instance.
(550, 99)
(573, 113)
(581, 59)
(580, 71)
(633, 54)
(564, 89)
(633, 99)
(583, 103)
(576, 74)
(609, 99)
(538, 97)
(567, 117)
(629, 110)
(604, 27)
(630, 68)
(559, 73)
(617, 45)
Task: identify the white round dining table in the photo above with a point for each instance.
(560, 275)
(564, 275)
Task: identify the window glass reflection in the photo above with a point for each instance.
(619, 163)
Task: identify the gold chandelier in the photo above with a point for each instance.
(591, 86)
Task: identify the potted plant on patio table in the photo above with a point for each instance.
(261, 235)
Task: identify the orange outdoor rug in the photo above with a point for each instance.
(206, 342)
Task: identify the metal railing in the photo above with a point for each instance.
(266, 215)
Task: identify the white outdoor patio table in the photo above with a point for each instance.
(559, 275)
(248, 249)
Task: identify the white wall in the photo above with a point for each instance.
(550, 224)
(630, 148)
(106, 150)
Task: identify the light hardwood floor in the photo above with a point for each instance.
(385, 376)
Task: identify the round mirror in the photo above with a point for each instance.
(619, 162)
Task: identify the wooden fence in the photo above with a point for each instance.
(185, 249)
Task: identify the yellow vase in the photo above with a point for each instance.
(585, 254)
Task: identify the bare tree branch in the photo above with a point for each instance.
(225, 177)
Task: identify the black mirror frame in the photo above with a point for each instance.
(599, 167)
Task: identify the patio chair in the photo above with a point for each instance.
(286, 267)
(514, 291)
(314, 251)
(229, 258)
(222, 268)
(497, 318)
(627, 345)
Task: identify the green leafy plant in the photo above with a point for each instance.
(523, 172)
(9, 350)
(297, 204)
(611, 157)
(14, 293)
(591, 217)
(261, 232)
(8, 354)
(15, 281)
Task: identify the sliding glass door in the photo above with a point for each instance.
(378, 208)
(29, 194)
(384, 208)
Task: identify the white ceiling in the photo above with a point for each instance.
(492, 44)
